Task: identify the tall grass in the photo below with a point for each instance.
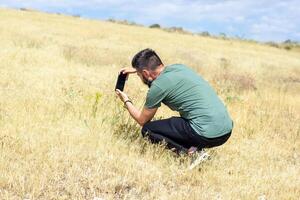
(64, 134)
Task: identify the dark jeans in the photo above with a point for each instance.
(177, 133)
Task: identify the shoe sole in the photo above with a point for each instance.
(203, 157)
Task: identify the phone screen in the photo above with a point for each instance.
(121, 81)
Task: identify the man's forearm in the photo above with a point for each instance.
(141, 117)
(135, 113)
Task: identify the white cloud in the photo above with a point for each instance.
(243, 17)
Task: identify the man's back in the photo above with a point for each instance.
(183, 90)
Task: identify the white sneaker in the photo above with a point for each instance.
(198, 158)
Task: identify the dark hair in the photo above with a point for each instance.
(146, 59)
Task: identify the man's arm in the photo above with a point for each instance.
(141, 117)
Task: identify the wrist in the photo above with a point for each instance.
(127, 101)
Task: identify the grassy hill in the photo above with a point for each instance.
(64, 134)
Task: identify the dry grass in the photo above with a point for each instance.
(64, 135)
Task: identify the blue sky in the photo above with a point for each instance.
(263, 20)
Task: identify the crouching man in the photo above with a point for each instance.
(204, 121)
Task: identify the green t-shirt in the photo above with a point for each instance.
(183, 90)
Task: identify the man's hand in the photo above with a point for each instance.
(128, 70)
(122, 95)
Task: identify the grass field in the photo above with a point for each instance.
(65, 135)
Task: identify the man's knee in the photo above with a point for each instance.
(145, 129)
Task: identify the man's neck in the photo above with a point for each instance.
(158, 71)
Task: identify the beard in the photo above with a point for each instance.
(147, 82)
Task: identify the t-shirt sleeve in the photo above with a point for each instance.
(154, 97)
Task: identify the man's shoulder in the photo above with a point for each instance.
(176, 66)
(169, 71)
(159, 85)
(156, 86)
(171, 74)
(178, 69)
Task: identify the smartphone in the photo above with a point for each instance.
(121, 81)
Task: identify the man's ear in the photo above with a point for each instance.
(146, 73)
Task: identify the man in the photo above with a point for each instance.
(204, 121)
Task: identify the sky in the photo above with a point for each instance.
(264, 20)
